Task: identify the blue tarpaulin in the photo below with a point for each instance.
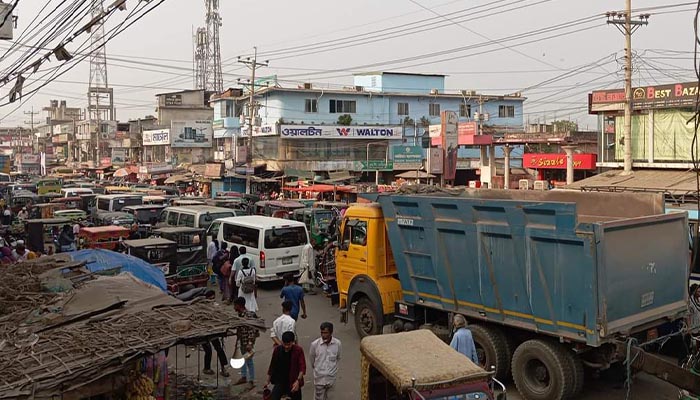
(100, 260)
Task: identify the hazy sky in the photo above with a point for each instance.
(324, 42)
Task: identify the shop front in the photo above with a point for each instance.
(552, 167)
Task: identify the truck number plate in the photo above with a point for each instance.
(404, 221)
(647, 299)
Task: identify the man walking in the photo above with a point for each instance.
(324, 354)
(218, 261)
(307, 263)
(287, 369)
(246, 339)
(295, 294)
(283, 323)
(462, 340)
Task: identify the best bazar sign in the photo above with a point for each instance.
(558, 161)
(649, 97)
(340, 132)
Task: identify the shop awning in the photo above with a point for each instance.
(415, 175)
(299, 173)
(178, 179)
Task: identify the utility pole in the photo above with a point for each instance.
(31, 124)
(252, 111)
(624, 23)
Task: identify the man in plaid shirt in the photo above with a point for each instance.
(246, 339)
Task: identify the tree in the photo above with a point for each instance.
(425, 122)
(345, 119)
(408, 121)
(565, 126)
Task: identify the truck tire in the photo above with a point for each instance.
(492, 349)
(367, 320)
(576, 365)
(541, 371)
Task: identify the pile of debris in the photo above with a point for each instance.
(80, 342)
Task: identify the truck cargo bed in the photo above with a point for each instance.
(570, 264)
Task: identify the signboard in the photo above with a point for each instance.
(173, 99)
(158, 137)
(585, 161)
(105, 161)
(377, 165)
(449, 121)
(30, 158)
(154, 168)
(191, 133)
(675, 95)
(118, 156)
(407, 157)
(467, 128)
(265, 130)
(213, 170)
(435, 160)
(340, 132)
(435, 131)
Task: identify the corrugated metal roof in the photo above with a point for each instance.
(652, 180)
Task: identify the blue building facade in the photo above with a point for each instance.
(301, 128)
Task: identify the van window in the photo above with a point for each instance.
(206, 219)
(214, 229)
(186, 220)
(172, 218)
(243, 235)
(280, 238)
(118, 204)
(103, 204)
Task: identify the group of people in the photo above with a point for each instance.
(235, 273)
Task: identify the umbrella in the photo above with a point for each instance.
(121, 172)
(415, 175)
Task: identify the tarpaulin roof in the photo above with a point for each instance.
(319, 188)
(99, 260)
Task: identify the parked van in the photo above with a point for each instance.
(274, 243)
(115, 202)
(75, 191)
(196, 216)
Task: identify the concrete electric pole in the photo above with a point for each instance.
(624, 23)
(31, 115)
(252, 111)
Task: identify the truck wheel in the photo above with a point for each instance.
(492, 349)
(577, 372)
(367, 320)
(541, 371)
(397, 326)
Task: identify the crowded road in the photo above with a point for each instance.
(319, 310)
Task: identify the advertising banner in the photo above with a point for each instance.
(158, 137)
(435, 161)
(30, 158)
(118, 156)
(265, 130)
(407, 157)
(340, 132)
(675, 95)
(449, 120)
(191, 133)
(558, 161)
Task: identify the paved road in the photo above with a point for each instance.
(347, 387)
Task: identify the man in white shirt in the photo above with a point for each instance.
(308, 268)
(324, 354)
(283, 323)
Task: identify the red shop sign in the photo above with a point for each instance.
(558, 161)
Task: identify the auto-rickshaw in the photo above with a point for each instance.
(318, 223)
(70, 202)
(44, 186)
(73, 215)
(49, 197)
(42, 233)
(277, 208)
(146, 216)
(190, 244)
(102, 237)
(20, 199)
(115, 218)
(44, 210)
(157, 251)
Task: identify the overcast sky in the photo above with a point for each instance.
(325, 41)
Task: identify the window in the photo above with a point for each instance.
(355, 233)
(103, 204)
(206, 219)
(241, 235)
(434, 110)
(214, 230)
(342, 106)
(311, 106)
(403, 108)
(186, 220)
(280, 238)
(230, 108)
(465, 110)
(172, 218)
(506, 111)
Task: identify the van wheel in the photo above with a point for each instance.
(367, 320)
(492, 349)
(541, 371)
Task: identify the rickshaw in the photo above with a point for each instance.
(102, 237)
(44, 210)
(73, 215)
(277, 208)
(157, 251)
(190, 244)
(43, 233)
(20, 199)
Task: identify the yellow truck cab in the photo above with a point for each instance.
(367, 280)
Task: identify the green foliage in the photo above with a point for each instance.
(345, 119)
(565, 126)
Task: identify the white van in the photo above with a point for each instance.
(115, 202)
(198, 216)
(75, 192)
(274, 243)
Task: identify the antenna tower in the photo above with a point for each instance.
(200, 58)
(214, 76)
(100, 95)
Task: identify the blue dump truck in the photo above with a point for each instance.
(550, 281)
